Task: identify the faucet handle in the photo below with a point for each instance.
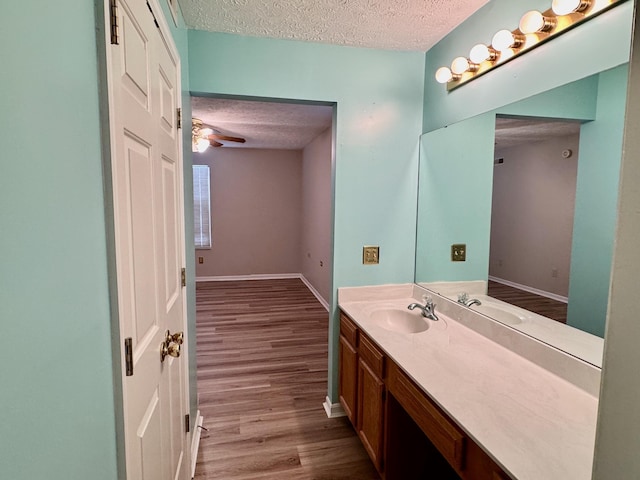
(463, 297)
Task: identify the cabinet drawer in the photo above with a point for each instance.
(443, 433)
(349, 330)
(371, 355)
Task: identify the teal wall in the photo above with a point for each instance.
(379, 114)
(456, 178)
(57, 389)
(599, 44)
(596, 205)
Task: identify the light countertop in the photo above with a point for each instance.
(533, 423)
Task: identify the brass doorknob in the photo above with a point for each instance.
(171, 345)
(178, 338)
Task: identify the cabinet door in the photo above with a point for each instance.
(371, 412)
(348, 376)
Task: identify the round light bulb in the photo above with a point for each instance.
(460, 65)
(444, 75)
(503, 40)
(565, 7)
(205, 132)
(202, 144)
(480, 53)
(533, 21)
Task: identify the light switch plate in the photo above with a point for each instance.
(370, 255)
(459, 252)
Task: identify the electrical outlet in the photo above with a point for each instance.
(459, 252)
(554, 273)
(200, 259)
(370, 255)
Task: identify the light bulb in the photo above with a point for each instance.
(504, 40)
(481, 52)
(202, 144)
(460, 65)
(533, 21)
(565, 7)
(205, 132)
(444, 75)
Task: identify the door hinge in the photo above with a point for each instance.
(128, 356)
(153, 14)
(183, 277)
(179, 118)
(187, 423)
(115, 37)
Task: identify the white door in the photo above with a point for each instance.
(144, 94)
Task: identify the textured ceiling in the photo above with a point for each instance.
(413, 25)
(270, 125)
(511, 132)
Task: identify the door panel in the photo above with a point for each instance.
(147, 195)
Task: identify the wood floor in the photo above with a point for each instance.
(529, 301)
(262, 378)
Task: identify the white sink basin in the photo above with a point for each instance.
(398, 320)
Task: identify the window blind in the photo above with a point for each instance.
(201, 206)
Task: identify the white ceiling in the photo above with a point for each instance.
(410, 25)
(270, 125)
(511, 132)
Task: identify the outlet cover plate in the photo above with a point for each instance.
(370, 255)
(459, 252)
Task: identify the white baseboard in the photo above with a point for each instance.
(267, 276)
(333, 410)
(316, 294)
(195, 443)
(552, 296)
(257, 276)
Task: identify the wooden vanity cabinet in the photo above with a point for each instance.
(467, 459)
(348, 368)
(404, 432)
(361, 387)
(370, 400)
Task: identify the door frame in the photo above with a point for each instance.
(107, 110)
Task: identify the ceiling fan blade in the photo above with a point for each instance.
(213, 143)
(227, 138)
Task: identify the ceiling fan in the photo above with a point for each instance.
(203, 137)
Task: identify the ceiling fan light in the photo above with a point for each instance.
(205, 132)
(202, 144)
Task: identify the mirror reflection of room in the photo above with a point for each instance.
(532, 213)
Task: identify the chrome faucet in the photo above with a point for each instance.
(428, 310)
(464, 299)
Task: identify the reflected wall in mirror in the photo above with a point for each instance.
(532, 213)
(456, 182)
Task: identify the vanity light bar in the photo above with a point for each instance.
(534, 29)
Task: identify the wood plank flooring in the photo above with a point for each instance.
(529, 301)
(262, 378)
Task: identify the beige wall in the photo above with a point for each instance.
(256, 210)
(532, 214)
(316, 213)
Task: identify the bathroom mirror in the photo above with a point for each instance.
(456, 200)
